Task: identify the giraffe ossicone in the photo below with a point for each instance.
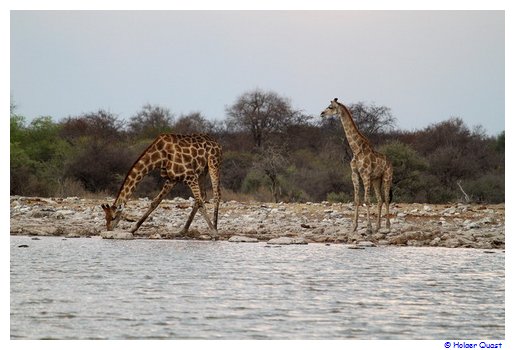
(181, 158)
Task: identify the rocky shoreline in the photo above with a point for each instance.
(443, 225)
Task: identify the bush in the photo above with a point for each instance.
(408, 166)
(291, 159)
(488, 188)
(150, 122)
(341, 197)
(317, 175)
(37, 156)
(253, 181)
(100, 166)
(235, 168)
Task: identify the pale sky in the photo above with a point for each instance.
(426, 66)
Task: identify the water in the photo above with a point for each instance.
(102, 289)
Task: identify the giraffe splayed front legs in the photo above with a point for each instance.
(182, 158)
(373, 168)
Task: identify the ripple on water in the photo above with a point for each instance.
(99, 289)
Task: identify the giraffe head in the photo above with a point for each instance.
(331, 110)
(113, 215)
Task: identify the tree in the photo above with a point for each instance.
(17, 126)
(235, 168)
(451, 133)
(271, 152)
(42, 142)
(37, 156)
(315, 174)
(101, 125)
(260, 113)
(100, 166)
(20, 163)
(499, 144)
(372, 120)
(487, 188)
(408, 165)
(193, 123)
(151, 121)
(273, 164)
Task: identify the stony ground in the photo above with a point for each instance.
(450, 225)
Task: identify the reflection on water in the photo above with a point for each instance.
(91, 288)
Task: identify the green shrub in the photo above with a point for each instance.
(340, 197)
(488, 188)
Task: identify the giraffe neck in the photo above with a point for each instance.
(139, 169)
(356, 140)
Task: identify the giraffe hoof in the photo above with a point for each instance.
(214, 235)
(181, 233)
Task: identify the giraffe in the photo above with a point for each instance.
(181, 158)
(372, 167)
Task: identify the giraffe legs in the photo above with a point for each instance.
(377, 189)
(366, 186)
(387, 186)
(355, 182)
(214, 174)
(164, 191)
(190, 219)
(387, 208)
(199, 205)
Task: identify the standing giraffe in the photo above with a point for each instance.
(373, 167)
(181, 158)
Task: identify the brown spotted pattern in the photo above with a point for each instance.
(373, 168)
(180, 158)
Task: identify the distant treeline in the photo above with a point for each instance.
(272, 152)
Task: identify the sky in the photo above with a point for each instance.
(426, 66)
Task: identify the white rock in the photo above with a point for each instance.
(73, 235)
(366, 244)
(116, 234)
(449, 211)
(287, 240)
(243, 239)
(435, 241)
(299, 240)
(487, 220)
(472, 225)
(452, 243)
(354, 247)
